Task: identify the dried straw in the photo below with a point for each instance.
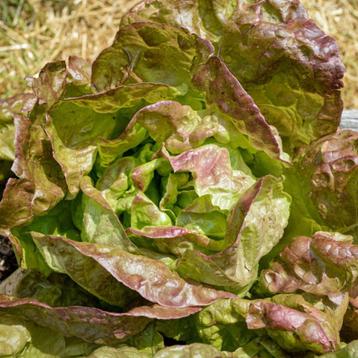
(56, 29)
(44, 30)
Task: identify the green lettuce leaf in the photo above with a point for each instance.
(150, 52)
(295, 323)
(99, 222)
(85, 271)
(205, 217)
(329, 172)
(116, 180)
(13, 337)
(144, 213)
(255, 226)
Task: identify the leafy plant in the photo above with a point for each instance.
(162, 194)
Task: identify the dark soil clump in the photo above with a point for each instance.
(8, 262)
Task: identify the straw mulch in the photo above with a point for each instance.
(33, 32)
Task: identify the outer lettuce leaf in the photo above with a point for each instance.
(284, 61)
(300, 96)
(90, 324)
(41, 184)
(60, 79)
(297, 324)
(55, 290)
(126, 96)
(256, 349)
(27, 340)
(147, 276)
(35, 162)
(17, 198)
(174, 13)
(324, 265)
(205, 18)
(64, 258)
(226, 93)
(56, 221)
(150, 52)
(50, 83)
(80, 70)
(74, 144)
(223, 325)
(31, 139)
(101, 225)
(329, 168)
(59, 291)
(53, 345)
(255, 226)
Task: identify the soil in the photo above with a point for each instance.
(8, 262)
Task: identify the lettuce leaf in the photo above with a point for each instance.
(290, 68)
(249, 236)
